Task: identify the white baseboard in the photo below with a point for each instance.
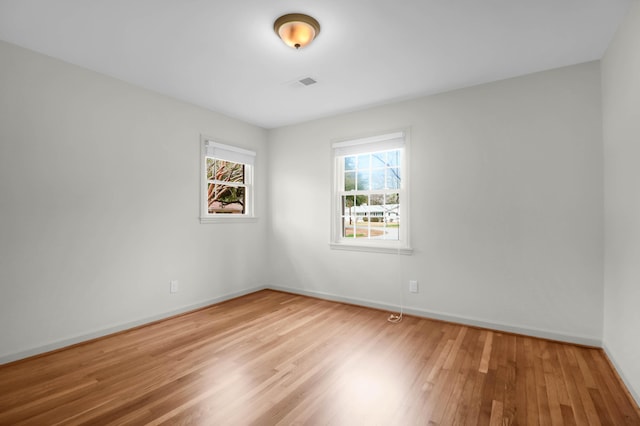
(527, 331)
(121, 327)
(545, 334)
(620, 373)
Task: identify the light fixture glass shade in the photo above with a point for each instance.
(296, 30)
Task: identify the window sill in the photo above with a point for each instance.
(371, 249)
(228, 219)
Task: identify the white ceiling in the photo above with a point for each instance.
(224, 55)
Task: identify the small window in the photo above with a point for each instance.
(370, 205)
(227, 182)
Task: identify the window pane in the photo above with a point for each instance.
(393, 178)
(392, 198)
(210, 168)
(350, 163)
(372, 216)
(377, 179)
(393, 224)
(376, 199)
(225, 199)
(393, 158)
(363, 181)
(348, 215)
(359, 213)
(364, 210)
(349, 181)
(355, 231)
(228, 171)
(347, 227)
(348, 201)
(218, 169)
(392, 215)
(391, 231)
(375, 220)
(378, 159)
(363, 161)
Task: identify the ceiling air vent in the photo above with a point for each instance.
(307, 81)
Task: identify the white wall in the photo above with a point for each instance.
(99, 192)
(506, 207)
(99, 205)
(621, 123)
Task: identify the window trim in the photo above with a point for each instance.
(382, 141)
(208, 146)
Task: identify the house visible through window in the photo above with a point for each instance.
(370, 204)
(370, 199)
(227, 181)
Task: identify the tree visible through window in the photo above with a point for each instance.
(227, 182)
(226, 191)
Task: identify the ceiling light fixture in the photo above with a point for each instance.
(296, 30)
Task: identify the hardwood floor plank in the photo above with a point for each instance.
(568, 417)
(593, 417)
(455, 350)
(496, 413)
(510, 409)
(533, 408)
(275, 358)
(486, 353)
(486, 398)
(551, 381)
(521, 383)
(472, 394)
(544, 413)
(577, 406)
(458, 406)
(556, 371)
(617, 402)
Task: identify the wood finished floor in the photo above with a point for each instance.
(276, 358)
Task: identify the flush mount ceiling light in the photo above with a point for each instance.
(296, 30)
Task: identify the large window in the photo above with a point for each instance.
(227, 182)
(370, 205)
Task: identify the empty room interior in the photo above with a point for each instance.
(320, 212)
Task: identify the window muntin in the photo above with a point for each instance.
(227, 182)
(370, 205)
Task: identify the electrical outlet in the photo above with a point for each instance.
(174, 286)
(413, 286)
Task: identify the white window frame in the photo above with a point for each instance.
(210, 148)
(381, 142)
